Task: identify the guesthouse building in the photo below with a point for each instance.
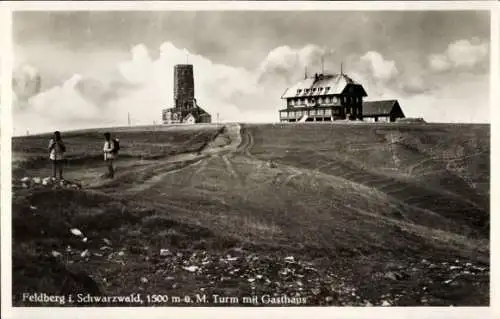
(323, 97)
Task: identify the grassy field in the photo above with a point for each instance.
(84, 148)
(335, 214)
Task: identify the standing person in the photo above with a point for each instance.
(56, 154)
(111, 147)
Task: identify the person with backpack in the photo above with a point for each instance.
(111, 148)
(56, 154)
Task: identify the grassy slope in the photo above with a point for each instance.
(443, 170)
(354, 202)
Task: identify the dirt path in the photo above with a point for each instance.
(246, 142)
(141, 178)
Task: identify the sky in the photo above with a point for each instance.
(90, 69)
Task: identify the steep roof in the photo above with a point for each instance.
(379, 107)
(321, 85)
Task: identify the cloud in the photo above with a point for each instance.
(459, 101)
(64, 103)
(462, 54)
(139, 68)
(439, 62)
(286, 65)
(102, 92)
(78, 102)
(381, 69)
(415, 85)
(143, 86)
(26, 82)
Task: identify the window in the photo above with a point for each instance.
(327, 88)
(298, 91)
(314, 89)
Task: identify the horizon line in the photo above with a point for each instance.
(250, 123)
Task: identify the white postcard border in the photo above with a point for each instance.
(287, 312)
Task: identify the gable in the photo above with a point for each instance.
(202, 111)
(397, 109)
(354, 89)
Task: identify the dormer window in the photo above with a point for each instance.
(298, 91)
(327, 88)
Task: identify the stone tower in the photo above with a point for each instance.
(183, 87)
